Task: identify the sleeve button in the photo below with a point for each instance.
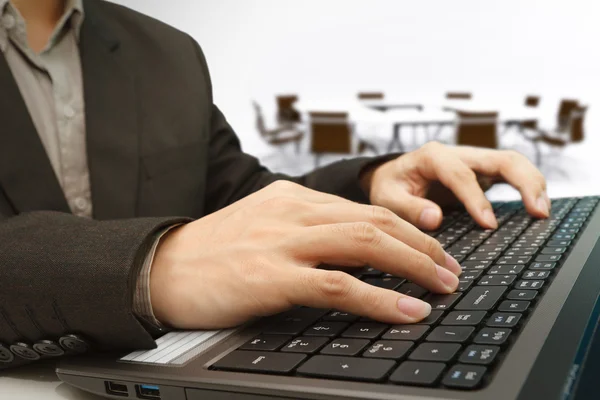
(74, 343)
(25, 351)
(6, 356)
(48, 348)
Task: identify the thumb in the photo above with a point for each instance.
(422, 213)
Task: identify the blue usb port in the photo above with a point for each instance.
(149, 392)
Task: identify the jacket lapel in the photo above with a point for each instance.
(111, 118)
(26, 174)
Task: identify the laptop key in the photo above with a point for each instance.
(305, 344)
(432, 318)
(391, 349)
(326, 328)
(463, 318)
(529, 284)
(265, 342)
(541, 265)
(506, 269)
(345, 347)
(521, 294)
(405, 332)
(558, 243)
(496, 280)
(458, 334)
(417, 373)
(464, 376)
(354, 368)
(503, 320)
(481, 298)
(293, 322)
(259, 361)
(514, 260)
(440, 352)
(340, 316)
(548, 257)
(478, 354)
(541, 275)
(464, 284)
(480, 265)
(385, 283)
(412, 289)
(441, 301)
(366, 330)
(496, 336)
(513, 306)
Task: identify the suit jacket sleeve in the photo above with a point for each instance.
(62, 275)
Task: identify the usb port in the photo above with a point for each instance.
(150, 392)
(116, 389)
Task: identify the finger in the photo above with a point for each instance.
(336, 289)
(355, 244)
(422, 213)
(453, 173)
(515, 169)
(388, 222)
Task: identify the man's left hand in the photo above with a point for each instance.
(409, 184)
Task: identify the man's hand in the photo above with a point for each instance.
(257, 257)
(409, 184)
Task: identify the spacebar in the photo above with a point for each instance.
(354, 368)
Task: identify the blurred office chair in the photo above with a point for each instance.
(279, 136)
(532, 101)
(331, 133)
(477, 129)
(459, 96)
(286, 113)
(564, 114)
(371, 95)
(556, 140)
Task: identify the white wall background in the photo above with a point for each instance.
(332, 48)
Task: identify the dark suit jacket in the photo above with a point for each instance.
(159, 152)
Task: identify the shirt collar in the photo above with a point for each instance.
(73, 13)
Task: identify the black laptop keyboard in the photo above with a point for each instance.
(505, 273)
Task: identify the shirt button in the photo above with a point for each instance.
(68, 111)
(80, 203)
(8, 21)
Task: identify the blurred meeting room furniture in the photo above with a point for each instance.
(286, 113)
(570, 130)
(280, 136)
(459, 95)
(478, 129)
(332, 133)
(371, 95)
(531, 102)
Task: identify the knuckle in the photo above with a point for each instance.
(464, 175)
(336, 284)
(365, 234)
(381, 216)
(431, 148)
(373, 299)
(283, 185)
(422, 263)
(432, 246)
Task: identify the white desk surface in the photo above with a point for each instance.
(38, 381)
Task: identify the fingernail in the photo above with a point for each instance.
(413, 307)
(430, 218)
(453, 265)
(448, 278)
(542, 204)
(489, 218)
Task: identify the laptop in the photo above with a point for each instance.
(522, 325)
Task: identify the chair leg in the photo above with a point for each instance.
(317, 157)
(297, 144)
(538, 155)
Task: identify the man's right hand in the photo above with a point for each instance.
(257, 258)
